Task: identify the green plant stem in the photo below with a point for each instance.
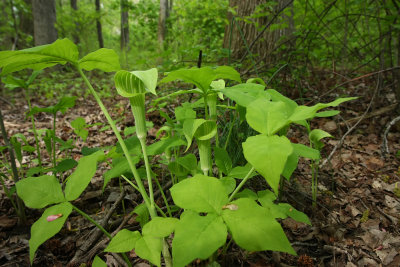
(8, 194)
(164, 198)
(140, 186)
(101, 228)
(129, 182)
(148, 173)
(230, 130)
(28, 100)
(54, 141)
(21, 208)
(241, 184)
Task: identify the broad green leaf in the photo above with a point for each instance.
(43, 230)
(13, 82)
(315, 137)
(257, 81)
(246, 193)
(268, 155)
(39, 57)
(178, 169)
(123, 241)
(164, 144)
(143, 214)
(202, 77)
(305, 112)
(305, 151)
(133, 145)
(243, 94)
(149, 248)
(219, 84)
(80, 178)
(129, 84)
(39, 192)
(183, 113)
(254, 229)
(328, 113)
(103, 59)
(240, 172)
(276, 97)
(65, 165)
(63, 105)
(119, 166)
(265, 197)
(200, 193)
(222, 160)
(189, 161)
(299, 150)
(229, 184)
(197, 237)
(267, 117)
(98, 262)
(291, 212)
(199, 128)
(159, 227)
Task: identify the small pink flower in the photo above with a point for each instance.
(53, 217)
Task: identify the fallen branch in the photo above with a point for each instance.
(96, 233)
(372, 114)
(339, 145)
(385, 147)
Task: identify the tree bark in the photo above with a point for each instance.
(162, 26)
(241, 36)
(44, 19)
(98, 25)
(74, 6)
(124, 25)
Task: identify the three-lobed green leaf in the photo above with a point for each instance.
(197, 237)
(268, 155)
(39, 192)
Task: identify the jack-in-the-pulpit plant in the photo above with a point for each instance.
(209, 206)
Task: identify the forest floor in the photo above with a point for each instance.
(355, 223)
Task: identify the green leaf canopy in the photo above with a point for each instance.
(202, 77)
(39, 57)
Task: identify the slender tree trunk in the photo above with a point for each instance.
(74, 6)
(124, 30)
(44, 19)
(162, 26)
(98, 25)
(15, 25)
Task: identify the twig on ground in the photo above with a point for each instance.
(339, 145)
(96, 233)
(385, 147)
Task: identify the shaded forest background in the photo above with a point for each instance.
(261, 38)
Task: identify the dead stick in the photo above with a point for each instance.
(353, 127)
(96, 233)
(385, 147)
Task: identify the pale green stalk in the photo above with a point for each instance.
(139, 183)
(241, 184)
(101, 228)
(205, 155)
(34, 128)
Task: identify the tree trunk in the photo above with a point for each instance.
(74, 6)
(162, 26)
(98, 25)
(241, 36)
(44, 18)
(124, 25)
